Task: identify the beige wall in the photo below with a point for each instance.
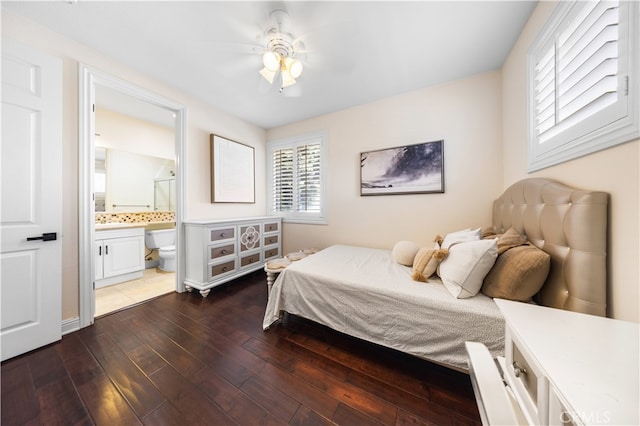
(201, 121)
(465, 113)
(614, 170)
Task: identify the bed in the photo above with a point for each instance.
(365, 293)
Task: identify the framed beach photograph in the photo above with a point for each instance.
(232, 171)
(409, 169)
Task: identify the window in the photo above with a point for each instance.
(296, 169)
(583, 94)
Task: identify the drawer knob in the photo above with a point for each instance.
(223, 251)
(222, 234)
(518, 371)
(224, 268)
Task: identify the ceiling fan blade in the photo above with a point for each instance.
(280, 20)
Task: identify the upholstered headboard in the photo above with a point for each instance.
(571, 225)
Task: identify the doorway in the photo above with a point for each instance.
(100, 90)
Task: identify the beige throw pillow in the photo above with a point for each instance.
(404, 251)
(510, 239)
(518, 274)
(426, 262)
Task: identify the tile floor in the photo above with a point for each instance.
(114, 297)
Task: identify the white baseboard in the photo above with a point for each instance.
(70, 325)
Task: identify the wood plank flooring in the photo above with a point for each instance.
(184, 360)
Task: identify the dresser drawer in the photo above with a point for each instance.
(221, 251)
(271, 227)
(526, 379)
(221, 234)
(273, 239)
(524, 373)
(274, 252)
(250, 259)
(222, 268)
(560, 415)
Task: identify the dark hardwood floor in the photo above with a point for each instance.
(181, 360)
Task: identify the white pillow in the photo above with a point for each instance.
(461, 237)
(463, 271)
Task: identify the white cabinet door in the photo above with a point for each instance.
(99, 252)
(31, 188)
(123, 255)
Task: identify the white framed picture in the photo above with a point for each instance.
(232, 171)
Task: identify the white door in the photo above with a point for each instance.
(31, 199)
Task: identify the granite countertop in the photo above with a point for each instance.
(122, 225)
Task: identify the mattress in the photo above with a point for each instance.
(364, 293)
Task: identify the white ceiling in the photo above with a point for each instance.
(357, 51)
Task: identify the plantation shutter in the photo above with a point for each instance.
(283, 180)
(308, 178)
(296, 173)
(578, 75)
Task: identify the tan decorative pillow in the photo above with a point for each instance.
(510, 239)
(518, 273)
(488, 232)
(426, 262)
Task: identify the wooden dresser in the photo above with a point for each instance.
(218, 251)
(560, 368)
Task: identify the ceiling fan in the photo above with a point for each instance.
(282, 52)
(279, 51)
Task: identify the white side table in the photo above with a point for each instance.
(273, 268)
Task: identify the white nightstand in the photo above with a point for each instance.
(273, 268)
(562, 368)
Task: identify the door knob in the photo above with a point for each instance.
(49, 236)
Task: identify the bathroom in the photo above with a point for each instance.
(135, 197)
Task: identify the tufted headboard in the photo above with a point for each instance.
(571, 225)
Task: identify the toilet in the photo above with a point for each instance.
(164, 241)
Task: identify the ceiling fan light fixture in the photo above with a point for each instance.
(268, 74)
(295, 68)
(280, 52)
(271, 60)
(287, 79)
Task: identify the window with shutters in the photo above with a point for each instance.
(583, 89)
(296, 173)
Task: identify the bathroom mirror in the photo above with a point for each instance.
(131, 182)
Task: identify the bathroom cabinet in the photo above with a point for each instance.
(219, 251)
(119, 255)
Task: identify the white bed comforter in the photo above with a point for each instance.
(362, 292)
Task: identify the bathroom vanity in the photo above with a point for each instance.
(221, 250)
(119, 254)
